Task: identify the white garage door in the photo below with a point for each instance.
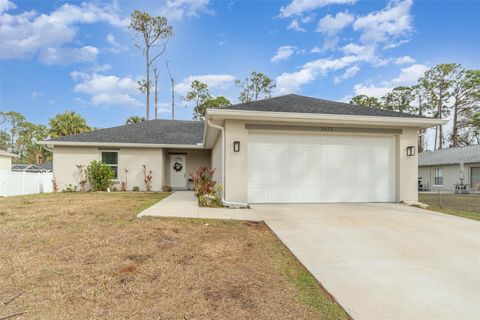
(320, 168)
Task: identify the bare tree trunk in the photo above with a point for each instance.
(147, 89)
(173, 91)
(455, 126)
(156, 74)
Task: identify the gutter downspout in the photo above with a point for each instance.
(225, 202)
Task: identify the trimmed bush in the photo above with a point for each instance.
(206, 189)
(99, 176)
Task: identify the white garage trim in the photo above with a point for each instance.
(309, 168)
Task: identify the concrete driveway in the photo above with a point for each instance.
(385, 261)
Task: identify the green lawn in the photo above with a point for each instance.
(463, 205)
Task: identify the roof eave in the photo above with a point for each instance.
(120, 145)
(221, 114)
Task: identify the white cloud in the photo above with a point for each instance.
(410, 75)
(295, 25)
(330, 43)
(216, 81)
(404, 60)
(115, 47)
(6, 5)
(380, 26)
(178, 9)
(371, 90)
(107, 90)
(349, 73)
(291, 82)
(331, 25)
(298, 7)
(68, 55)
(283, 53)
(29, 33)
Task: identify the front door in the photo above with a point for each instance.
(178, 178)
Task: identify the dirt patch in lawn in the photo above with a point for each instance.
(87, 256)
(464, 205)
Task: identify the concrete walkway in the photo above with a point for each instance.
(184, 204)
(385, 261)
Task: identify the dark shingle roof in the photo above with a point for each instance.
(153, 131)
(301, 104)
(469, 154)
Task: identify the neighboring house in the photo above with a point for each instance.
(43, 167)
(6, 160)
(285, 149)
(442, 169)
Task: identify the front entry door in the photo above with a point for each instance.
(178, 178)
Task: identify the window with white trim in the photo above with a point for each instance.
(438, 177)
(110, 158)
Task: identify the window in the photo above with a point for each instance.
(438, 178)
(110, 158)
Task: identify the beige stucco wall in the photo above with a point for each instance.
(5, 162)
(451, 175)
(194, 159)
(65, 160)
(236, 163)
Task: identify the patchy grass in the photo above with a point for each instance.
(87, 256)
(463, 205)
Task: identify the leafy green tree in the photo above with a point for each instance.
(420, 108)
(153, 32)
(437, 83)
(28, 149)
(366, 101)
(67, 123)
(256, 87)
(134, 119)
(212, 103)
(399, 99)
(466, 101)
(12, 122)
(4, 140)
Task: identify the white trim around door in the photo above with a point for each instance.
(178, 178)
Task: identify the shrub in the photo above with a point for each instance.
(136, 188)
(205, 188)
(147, 178)
(99, 176)
(167, 189)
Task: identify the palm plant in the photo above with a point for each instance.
(135, 119)
(67, 123)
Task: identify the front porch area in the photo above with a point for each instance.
(183, 204)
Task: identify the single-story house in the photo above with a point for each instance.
(288, 149)
(6, 160)
(443, 169)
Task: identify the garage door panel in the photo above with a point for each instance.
(317, 168)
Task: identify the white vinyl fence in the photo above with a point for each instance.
(18, 183)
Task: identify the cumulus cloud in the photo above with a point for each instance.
(331, 25)
(410, 75)
(371, 90)
(29, 33)
(178, 9)
(68, 55)
(6, 5)
(381, 26)
(216, 81)
(107, 90)
(349, 73)
(404, 60)
(298, 7)
(283, 53)
(295, 25)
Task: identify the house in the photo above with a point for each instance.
(442, 169)
(42, 167)
(6, 160)
(285, 149)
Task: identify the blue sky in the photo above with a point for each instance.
(58, 56)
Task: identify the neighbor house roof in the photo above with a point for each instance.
(301, 104)
(44, 167)
(173, 132)
(469, 154)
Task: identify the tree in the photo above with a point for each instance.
(12, 123)
(366, 101)
(399, 99)
(156, 74)
(466, 101)
(172, 81)
(437, 83)
(421, 108)
(153, 31)
(211, 103)
(28, 150)
(134, 119)
(67, 123)
(257, 86)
